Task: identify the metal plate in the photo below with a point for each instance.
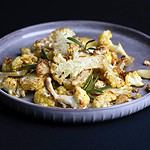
(136, 44)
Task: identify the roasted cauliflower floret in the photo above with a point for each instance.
(132, 78)
(81, 78)
(81, 97)
(72, 68)
(61, 90)
(39, 45)
(42, 68)
(7, 64)
(25, 50)
(114, 80)
(111, 76)
(59, 39)
(104, 100)
(100, 84)
(29, 59)
(122, 99)
(43, 97)
(31, 82)
(125, 90)
(104, 39)
(10, 85)
(62, 99)
(20, 92)
(19, 61)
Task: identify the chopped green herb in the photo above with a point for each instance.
(44, 54)
(29, 66)
(90, 41)
(13, 74)
(75, 41)
(90, 88)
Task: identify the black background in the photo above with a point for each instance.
(19, 132)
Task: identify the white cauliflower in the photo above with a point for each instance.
(100, 84)
(39, 45)
(104, 100)
(59, 40)
(65, 99)
(25, 50)
(19, 61)
(125, 90)
(81, 78)
(104, 39)
(79, 100)
(12, 86)
(42, 68)
(122, 99)
(31, 82)
(43, 97)
(81, 97)
(61, 90)
(132, 78)
(112, 76)
(72, 68)
(7, 64)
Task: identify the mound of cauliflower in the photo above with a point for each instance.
(65, 70)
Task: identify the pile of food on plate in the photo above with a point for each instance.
(69, 71)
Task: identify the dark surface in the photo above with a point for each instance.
(20, 132)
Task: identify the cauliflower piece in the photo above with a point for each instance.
(81, 78)
(29, 59)
(65, 99)
(10, 85)
(18, 62)
(7, 64)
(113, 79)
(61, 90)
(112, 76)
(104, 39)
(59, 39)
(81, 97)
(20, 92)
(122, 99)
(132, 78)
(44, 98)
(100, 84)
(125, 90)
(25, 50)
(72, 68)
(42, 68)
(40, 44)
(104, 100)
(119, 49)
(31, 82)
